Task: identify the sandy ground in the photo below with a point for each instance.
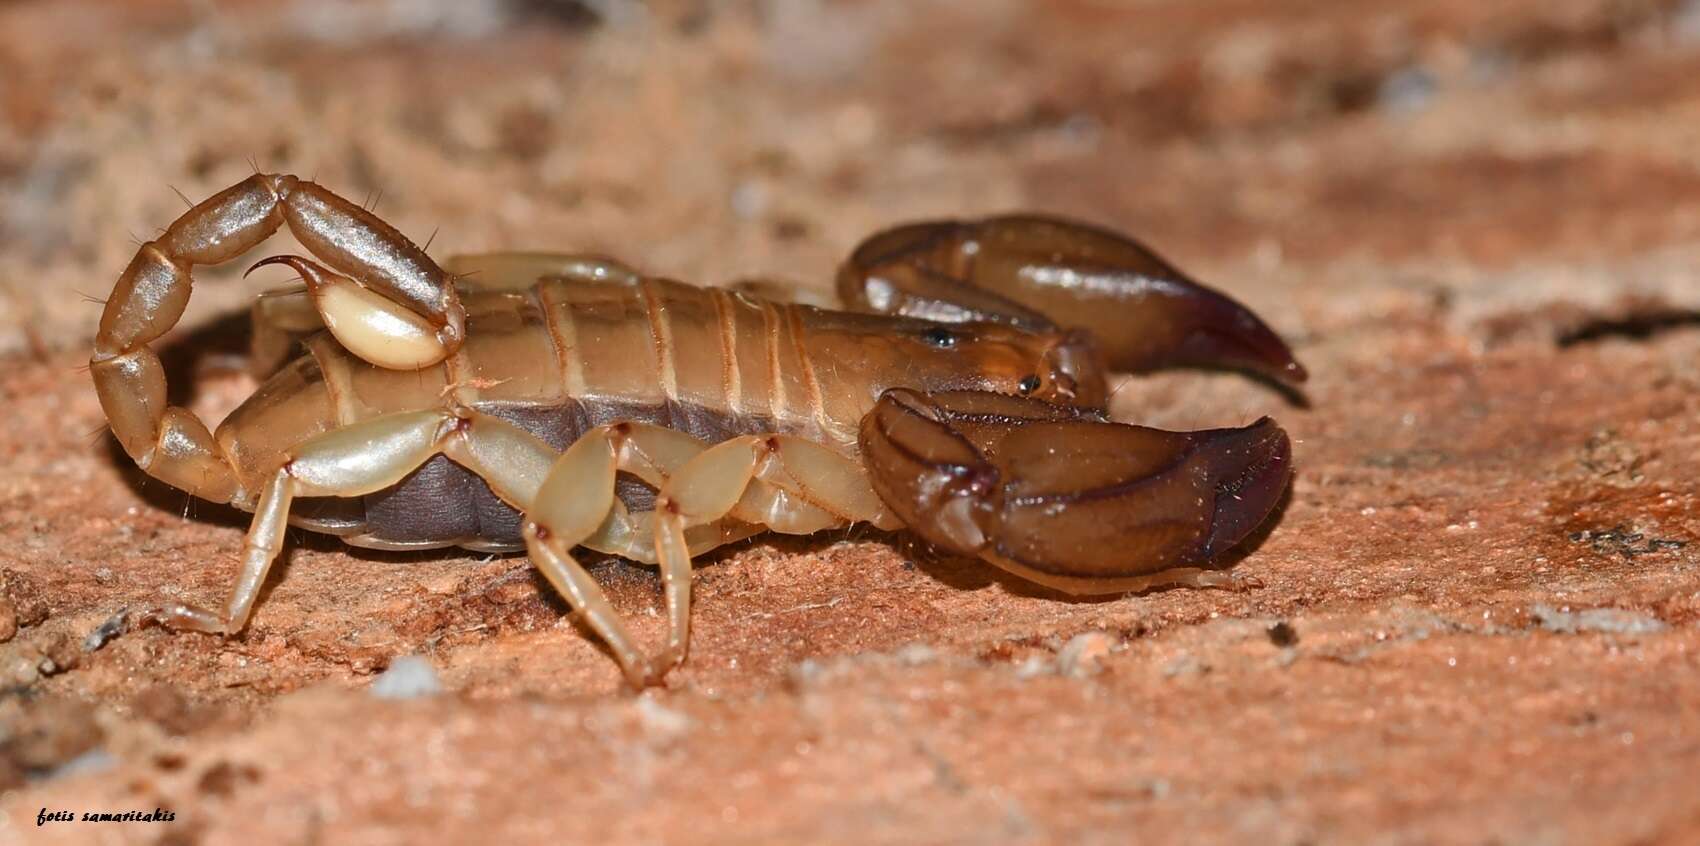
(1477, 619)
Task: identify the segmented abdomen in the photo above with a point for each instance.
(564, 358)
(706, 361)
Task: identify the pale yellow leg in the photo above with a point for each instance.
(632, 536)
(564, 497)
(352, 461)
(786, 483)
(571, 502)
(575, 505)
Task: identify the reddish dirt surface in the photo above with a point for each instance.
(1476, 620)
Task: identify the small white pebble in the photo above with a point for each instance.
(1608, 620)
(408, 677)
(1081, 656)
(1184, 665)
(25, 671)
(661, 721)
(1032, 667)
(92, 761)
(748, 200)
(916, 654)
(807, 671)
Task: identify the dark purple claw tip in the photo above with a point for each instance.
(1251, 468)
(1237, 338)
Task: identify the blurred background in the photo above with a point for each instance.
(1267, 146)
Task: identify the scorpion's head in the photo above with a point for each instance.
(1060, 366)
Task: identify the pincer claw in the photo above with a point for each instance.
(1064, 497)
(1045, 273)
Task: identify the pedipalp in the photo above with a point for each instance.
(1039, 273)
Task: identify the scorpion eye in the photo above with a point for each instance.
(1028, 384)
(939, 337)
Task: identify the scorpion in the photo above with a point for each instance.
(548, 402)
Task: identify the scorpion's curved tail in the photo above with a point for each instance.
(402, 308)
(1065, 498)
(1041, 273)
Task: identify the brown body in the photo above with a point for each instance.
(566, 356)
(552, 401)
